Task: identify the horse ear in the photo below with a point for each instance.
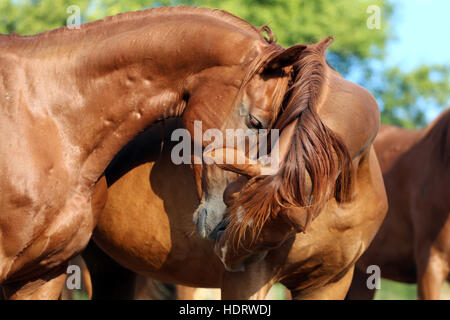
(325, 43)
(298, 218)
(233, 189)
(284, 59)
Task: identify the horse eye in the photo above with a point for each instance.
(254, 123)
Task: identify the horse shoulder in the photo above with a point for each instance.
(345, 230)
(360, 219)
(351, 112)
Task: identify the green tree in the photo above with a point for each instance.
(403, 96)
(406, 97)
(304, 21)
(32, 16)
(297, 21)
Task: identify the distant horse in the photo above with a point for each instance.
(146, 227)
(413, 244)
(71, 99)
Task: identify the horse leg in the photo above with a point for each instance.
(149, 289)
(336, 290)
(432, 271)
(252, 284)
(46, 287)
(185, 292)
(358, 288)
(109, 279)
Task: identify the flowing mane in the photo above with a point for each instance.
(315, 149)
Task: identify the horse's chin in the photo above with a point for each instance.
(239, 264)
(256, 257)
(237, 268)
(240, 267)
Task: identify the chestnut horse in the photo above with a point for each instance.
(413, 244)
(145, 225)
(71, 99)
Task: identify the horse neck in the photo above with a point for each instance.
(105, 90)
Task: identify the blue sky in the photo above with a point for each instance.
(422, 28)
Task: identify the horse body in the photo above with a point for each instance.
(71, 99)
(413, 242)
(145, 223)
(146, 227)
(338, 116)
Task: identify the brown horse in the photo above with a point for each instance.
(71, 99)
(145, 225)
(413, 244)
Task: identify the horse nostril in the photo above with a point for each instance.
(201, 223)
(203, 214)
(219, 230)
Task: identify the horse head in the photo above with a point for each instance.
(267, 207)
(255, 107)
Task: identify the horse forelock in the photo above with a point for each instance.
(315, 150)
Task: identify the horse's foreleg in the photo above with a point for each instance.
(252, 284)
(358, 288)
(46, 287)
(432, 271)
(185, 293)
(336, 290)
(109, 279)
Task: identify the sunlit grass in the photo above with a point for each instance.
(390, 290)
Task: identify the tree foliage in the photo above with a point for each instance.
(404, 97)
(32, 16)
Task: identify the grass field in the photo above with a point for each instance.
(390, 290)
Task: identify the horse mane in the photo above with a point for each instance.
(315, 149)
(142, 16)
(438, 133)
